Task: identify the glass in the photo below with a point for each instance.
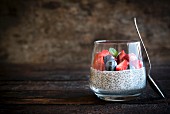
(117, 70)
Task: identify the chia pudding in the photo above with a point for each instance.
(117, 75)
(130, 81)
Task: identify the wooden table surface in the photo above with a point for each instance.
(59, 89)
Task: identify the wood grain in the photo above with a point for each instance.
(31, 89)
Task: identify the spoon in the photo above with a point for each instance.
(152, 82)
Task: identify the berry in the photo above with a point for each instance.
(110, 65)
(98, 62)
(130, 57)
(104, 53)
(137, 64)
(121, 56)
(122, 66)
(108, 57)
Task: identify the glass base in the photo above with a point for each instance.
(117, 97)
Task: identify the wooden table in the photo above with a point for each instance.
(63, 89)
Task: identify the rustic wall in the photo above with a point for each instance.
(63, 31)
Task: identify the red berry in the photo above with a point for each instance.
(130, 57)
(98, 62)
(137, 64)
(121, 56)
(104, 53)
(126, 57)
(123, 65)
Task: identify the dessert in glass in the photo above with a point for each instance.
(117, 70)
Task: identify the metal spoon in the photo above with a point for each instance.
(152, 82)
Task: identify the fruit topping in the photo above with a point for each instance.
(111, 65)
(113, 52)
(122, 66)
(108, 57)
(98, 60)
(112, 61)
(136, 63)
(104, 53)
(121, 56)
(130, 57)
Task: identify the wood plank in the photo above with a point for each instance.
(42, 67)
(65, 75)
(57, 85)
(68, 97)
(110, 108)
(39, 72)
(43, 85)
(45, 75)
(65, 92)
(58, 75)
(47, 72)
(77, 101)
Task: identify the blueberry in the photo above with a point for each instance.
(110, 65)
(107, 58)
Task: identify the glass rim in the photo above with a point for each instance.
(115, 41)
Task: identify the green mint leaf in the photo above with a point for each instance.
(113, 52)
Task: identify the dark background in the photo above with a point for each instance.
(63, 31)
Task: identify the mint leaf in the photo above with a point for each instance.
(113, 52)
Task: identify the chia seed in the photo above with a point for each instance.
(124, 81)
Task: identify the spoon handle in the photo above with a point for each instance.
(151, 81)
(154, 85)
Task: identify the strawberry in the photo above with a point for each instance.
(104, 53)
(98, 62)
(137, 64)
(130, 57)
(121, 56)
(123, 65)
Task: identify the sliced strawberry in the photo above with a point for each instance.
(123, 65)
(98, 62)
(130, 57)
(137, 64)
(104, 53)
(121, 56)
(126, 57)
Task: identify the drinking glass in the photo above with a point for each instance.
(117, 70)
